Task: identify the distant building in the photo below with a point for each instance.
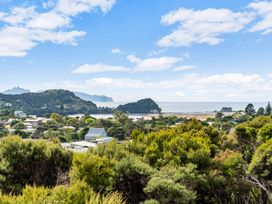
(8, 105)
(33, 122)
(80, 146)
(104, 140)
(19, 114)
(95, 133)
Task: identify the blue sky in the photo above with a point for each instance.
(170, 50)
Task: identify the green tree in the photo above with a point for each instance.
(131, 178)
(96, 171)
(3, 130)
(19, 126)
(250, 110)
(268, 109)
(117, 132)
(260, 112)
(173, 184)
(30, 163)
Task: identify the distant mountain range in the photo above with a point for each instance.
(93, 98)
(87, 97)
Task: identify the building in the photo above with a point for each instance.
(104, 140)
(95, 133)
(19, 114)
(80, 146)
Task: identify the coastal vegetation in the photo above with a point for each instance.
(160, 160)
(141, 106)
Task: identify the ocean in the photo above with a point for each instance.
(192, 107)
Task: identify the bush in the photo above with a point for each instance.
(131, 177)
(96, 171)
(78, 193)
(31, 163)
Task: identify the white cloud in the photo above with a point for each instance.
(191, 87)
(74, 7)
(264, 10)
(25, 27)
(180, 94)
(49, 21)
(58, 37)
(18, 15)
(116, 51)
(184, 68)
(96, 68)
(153, 64)
(15, 41)
(202, 26)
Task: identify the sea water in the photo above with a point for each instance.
(192, 107)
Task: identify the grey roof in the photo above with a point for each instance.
(94, 132)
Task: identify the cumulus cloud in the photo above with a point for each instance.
(139, 65)
(184, 68)
(264, 10)
(25, 27)
(229, 86)
(153, 64)
(202, 26)
(116, 51)
(75, 7)
(96, 68)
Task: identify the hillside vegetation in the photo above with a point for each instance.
(141, 106)
(52, 101)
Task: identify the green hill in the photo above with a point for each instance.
(58, 101)
(141, 106)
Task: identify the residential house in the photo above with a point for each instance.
(95, 133)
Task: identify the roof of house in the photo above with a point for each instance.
(83, 144)
(96, 132)
(104, 140)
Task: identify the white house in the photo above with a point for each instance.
(19, 114)
(80, 146)
(95, 133)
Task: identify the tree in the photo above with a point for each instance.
(175, 187)
(131, 177)
(219, 115)
(3, 130)
(96, 171)
(268, 109)
(260, 112)
(117, 132)
(259, 170)
(19, 126)
(250, 110)
(31, 163)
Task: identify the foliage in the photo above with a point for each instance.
(268, 109)
(141, 106)
(30, 163)
(131, 177)
(78, 193)
(173, 184)
(250, 110)
(52, 101)
(96, 171)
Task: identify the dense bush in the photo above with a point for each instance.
(28, 162)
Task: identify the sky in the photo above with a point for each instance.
(168, 50)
